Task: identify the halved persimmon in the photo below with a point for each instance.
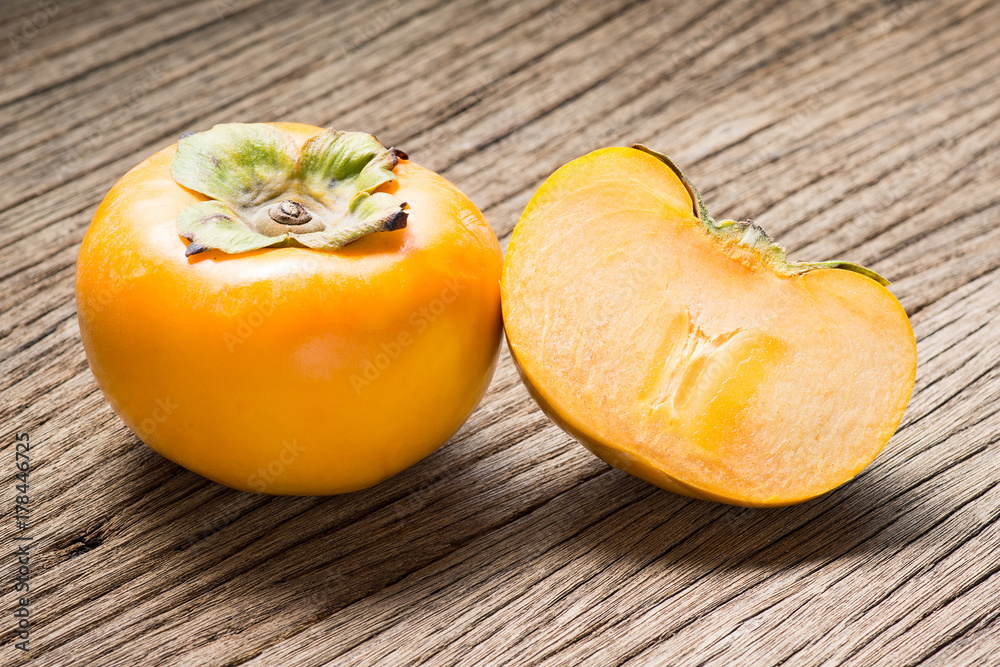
(691, 353)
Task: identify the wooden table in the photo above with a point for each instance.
(862, 130)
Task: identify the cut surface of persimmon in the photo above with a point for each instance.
(691, 353)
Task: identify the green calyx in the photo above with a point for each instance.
(751, 236)
(266, 193)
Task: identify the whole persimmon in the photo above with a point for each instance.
(287, 309)
(691, 353)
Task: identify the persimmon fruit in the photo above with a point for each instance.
(691, 353)
(289, 310)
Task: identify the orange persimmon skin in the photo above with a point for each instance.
(289, 370)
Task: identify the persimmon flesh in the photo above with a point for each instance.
(690, 353)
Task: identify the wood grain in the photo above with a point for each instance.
(864, 130)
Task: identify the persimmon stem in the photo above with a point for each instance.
(265, 191)
(290, 212)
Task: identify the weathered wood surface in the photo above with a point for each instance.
(864, 130)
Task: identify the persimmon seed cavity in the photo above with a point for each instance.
(290, 212)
